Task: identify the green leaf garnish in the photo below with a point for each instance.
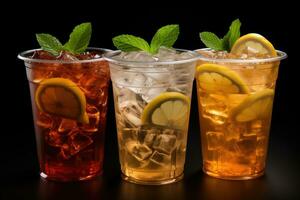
(225, 44)
(211, 40)
(78, 41)
(79, 38)
(49, 43)
(165, 36)
(234, 32)
(130, 43)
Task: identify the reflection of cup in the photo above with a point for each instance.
(152, 105)
(235, 98)
(69, 98)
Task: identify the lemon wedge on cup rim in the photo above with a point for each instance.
(169, 109)
(253, 43)
(61, 97)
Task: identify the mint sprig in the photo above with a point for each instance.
(165, 36)
(212, 41)
(78, 41)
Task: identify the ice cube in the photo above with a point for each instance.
(165, 143)
(75, 143)
(167, 131)
(41, 71)
(44, 120)
(129, 134)
(247, 145)
(123, 95)
(214, 140)
(261, 152)
(94, 118)
(234, 130)
(66, 56)
(41, 54)
(139, 151)
(131, 112)
(92, 84)
(160, 159)
(88, 55)
(149, 139)
(126, 97)
(212, 156)
(184, 56)
(152, 92)
(141, 134)
(79, 141)
(139, 83)
(261, 148)
(102, 97)
(146, 132)
(257, 127)
(231, 146)
(137, 56)
(214, 108)
(137, 79)
(166, 54)
(53, 138)
(65, 152)
(66, 125)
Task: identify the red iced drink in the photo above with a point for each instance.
(69, 101)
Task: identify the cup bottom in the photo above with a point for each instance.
(154, 182)
(247, 177)
(69, 179)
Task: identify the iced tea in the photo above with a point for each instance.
(235, 98)
(152, 105)
(69, 102)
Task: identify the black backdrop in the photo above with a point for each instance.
(19, 176)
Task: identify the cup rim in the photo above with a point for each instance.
(24, 56)
(280, 56)
(109, 57)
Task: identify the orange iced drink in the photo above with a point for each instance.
(235, 97)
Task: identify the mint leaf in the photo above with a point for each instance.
(130, 43)
(235, 33)
(165, 36)
(225, 42)
(211, 40)
(79, 38)
(49, 43)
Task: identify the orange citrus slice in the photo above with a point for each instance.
(61, 97)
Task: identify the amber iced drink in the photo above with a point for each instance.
(235, 97)
(69, 103)
(152, 94)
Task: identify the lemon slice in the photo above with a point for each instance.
(168, 109)
(61, 97)
(253, 43)
(217, 78)
(255, 106)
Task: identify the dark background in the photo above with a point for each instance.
(19, 176)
